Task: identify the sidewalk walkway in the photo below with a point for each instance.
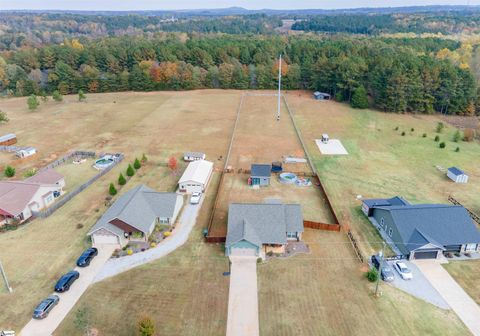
(461, 303)
(243, 298)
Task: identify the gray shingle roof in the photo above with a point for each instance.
(268, 222)
(138, 207)
(261, 170)
(397, 200)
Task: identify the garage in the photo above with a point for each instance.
(425, 255)
(104, 237)
(243, 248)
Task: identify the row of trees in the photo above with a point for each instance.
(394, 77)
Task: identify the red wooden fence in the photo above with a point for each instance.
(321, 226)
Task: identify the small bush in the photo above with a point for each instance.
(167, 233)
(32, 102)
(121, 179)
(153, 244)
(57, 96)
(412, 129)
(259, 260)
(130, 171)
(457, 149)
(146, 327)
(270, 253)
(112, 190)
(424, 135)
(442, 145)
(9, 171)
(457, 136)
(137, 165)
(79, 225)
(440, 127)
(144, 158)
(372, 275)
(129, 251)
(437, 138)
(403, 133)
(396, 128)
(30, 172)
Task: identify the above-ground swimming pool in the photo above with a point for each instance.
(104, 162)
(288, 178)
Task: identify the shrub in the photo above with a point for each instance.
(112, 190)
(153, 244)
(121, 179)
(442, 145)
(259, 260)
(130, 171)
(424, 135)
(79, 225)
(32, 102)
(457, 136)
(396, 128)
(359, 98)
(10, 171)
(167, 233)
(270, 253)
(372, 275)
(412, 129)
(129, 251)
(3, 117)
(136, 164)
(437, 138)
(57, 96)
(457, 149)
(440, 127)
(144, 158)
(146, 327)
(30, 172)
(172, 163)
(403, 133)
(81, 96)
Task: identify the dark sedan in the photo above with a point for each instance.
(86, 257)
(45, 307)
(66, 281)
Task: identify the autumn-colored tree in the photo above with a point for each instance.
(168, 70)
(155, 73)
(92, 86)
(172, 163)
(468, 134)
(284, 68)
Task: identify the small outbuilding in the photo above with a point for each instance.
(26, 152)
(457, 175)
(277, 167)
(321, 95)
(196, 177)
(260, 174)
(193, 156)
(8, 139)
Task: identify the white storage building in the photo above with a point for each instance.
(196, 177)
(457, 175)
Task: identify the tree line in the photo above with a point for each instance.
(395, 76)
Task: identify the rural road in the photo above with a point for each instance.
(179, 236)
(243, 297)
(461, 303)
(68, 299)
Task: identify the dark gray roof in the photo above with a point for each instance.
(456, 171)
(261, 170)
(376, 202)
(438, 224)
(263, 223)
(138, 207)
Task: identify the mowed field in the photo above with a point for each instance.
(157, 124)
(467, 274)
(382, 162)
(260, 138)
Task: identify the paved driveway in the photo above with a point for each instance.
(68, 299)
(243, 298)
(179, 236)
(454, 295)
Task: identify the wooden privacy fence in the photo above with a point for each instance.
(473, 215)
(211, 239)
(321, 226)
(47, 212)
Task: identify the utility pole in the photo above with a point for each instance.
(5, 278)
(380, 268)
(279, 84)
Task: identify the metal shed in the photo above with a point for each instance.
(457, 175)
(8, 139)
(321, 95)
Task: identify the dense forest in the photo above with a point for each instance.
(94, 53)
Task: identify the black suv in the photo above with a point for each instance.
(64, 283)
(386, 272)
(86, 257)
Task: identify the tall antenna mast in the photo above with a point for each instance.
(279, 84)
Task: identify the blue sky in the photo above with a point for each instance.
(189, 4)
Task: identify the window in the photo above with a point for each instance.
(291, 235)
(390, 231)
(382, 222)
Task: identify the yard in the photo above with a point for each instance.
(382, 162)
(467, 274)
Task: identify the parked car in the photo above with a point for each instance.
(64, 283)
(386, 273)
(403, 270)
(86, 257)
(195, 198)
(44, 307)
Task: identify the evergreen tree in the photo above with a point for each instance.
(137, 164)
(9, 171)
(360, 98)
(130, 170)
(112, 190)
(121, 179)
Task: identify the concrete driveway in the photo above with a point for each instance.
(461, 303)
(68, 299)
(178, 237)
(242, 297)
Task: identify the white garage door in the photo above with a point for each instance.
(104, 239)
(243, 251)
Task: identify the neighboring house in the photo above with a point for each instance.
(193, 156)
(8, 139)
(457, 175)
(196, 176)
(260, 174)
(134, 216)
(256, 229)
(20, 199)
(423, 231)
(25, 152)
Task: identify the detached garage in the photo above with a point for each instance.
(196, 177)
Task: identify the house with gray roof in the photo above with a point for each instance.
(134, 215)
(423, 231)
(258, 228)
(260, 174)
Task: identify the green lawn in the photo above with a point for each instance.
(467, 274)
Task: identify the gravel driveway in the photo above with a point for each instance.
(68, 299)
(243, 297)
(179, 236)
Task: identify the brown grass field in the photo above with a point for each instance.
(322, 293)
(467, 274)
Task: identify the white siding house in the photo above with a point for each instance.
(196, 177)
